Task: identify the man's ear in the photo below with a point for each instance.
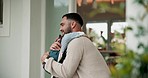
(73, 24)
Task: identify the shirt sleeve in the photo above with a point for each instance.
(71, 62)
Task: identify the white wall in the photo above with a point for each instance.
(10, 47)
(20, 51)
(35, 39)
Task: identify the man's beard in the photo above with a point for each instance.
(69, 30)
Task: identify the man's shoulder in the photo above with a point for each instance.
(80, 40)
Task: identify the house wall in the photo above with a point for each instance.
(20, 51)
(11, 46)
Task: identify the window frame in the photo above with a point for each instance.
(4, 27)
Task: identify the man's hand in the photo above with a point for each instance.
(56, 45)
(44, 56)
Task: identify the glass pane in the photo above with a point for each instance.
(118, 38)
(97, 32)
(118, 26)
(60, 3)
(117, 29)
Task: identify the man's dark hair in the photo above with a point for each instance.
(74, 16)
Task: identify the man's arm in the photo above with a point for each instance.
(71, 62)
(55, 46)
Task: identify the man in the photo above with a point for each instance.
(82, 59)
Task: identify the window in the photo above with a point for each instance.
(95, 32)
(102, 17)
(118, 26)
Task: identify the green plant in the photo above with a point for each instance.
(134, 64)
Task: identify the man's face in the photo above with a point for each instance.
(65, 26)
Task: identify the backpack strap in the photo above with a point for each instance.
(63, 56)
(65, 51)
